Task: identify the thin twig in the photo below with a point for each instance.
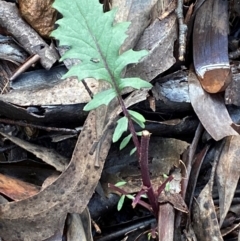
(28, 63)
(46, 128)
(182, 30)
(87, 88)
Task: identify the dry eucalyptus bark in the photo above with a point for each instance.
(210, 46)
(70, 114)
(25, 35)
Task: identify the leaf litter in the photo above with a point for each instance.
(71, 190)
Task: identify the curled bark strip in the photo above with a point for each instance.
(25, 35)
(210, 34)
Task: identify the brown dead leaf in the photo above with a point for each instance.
(79, 227)
(210, 109)
(204, 220)
(159, 40)
(17, 189)
(39, 14)
(67, 92)
(138, 13)
(46, 211)
(40, 216)
(49, 156)
(11, 20)
(227, 174)
(173, 195)
(163, 8)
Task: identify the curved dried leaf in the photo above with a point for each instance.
(227, 174)
(210, 109)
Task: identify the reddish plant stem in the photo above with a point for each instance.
(138, 197)
(142, 152)
(140, 202)
(162, 187)
(143, 161)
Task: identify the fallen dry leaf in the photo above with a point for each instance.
(67, 92)
(204, 219)
(158, 39)
(17, 189)
(39, 14)
(49, 156)
(138, 13)
(46, 211)
(11, 20)
(79, 227)
(227, 174)
(210, 109)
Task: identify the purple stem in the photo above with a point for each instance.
(162, 187)
(143, 161)
(142, 203)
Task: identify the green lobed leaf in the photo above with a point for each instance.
(94, 39)
(135, 83)
(128, 57)
(122, 125)
(120, 202)
(125, 141)
(130, 196)
(133, 151)
(137, 117)
(119, 184)
(101, 98)
(167, 187)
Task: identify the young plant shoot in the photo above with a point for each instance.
(94, 38)
(92, 35)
